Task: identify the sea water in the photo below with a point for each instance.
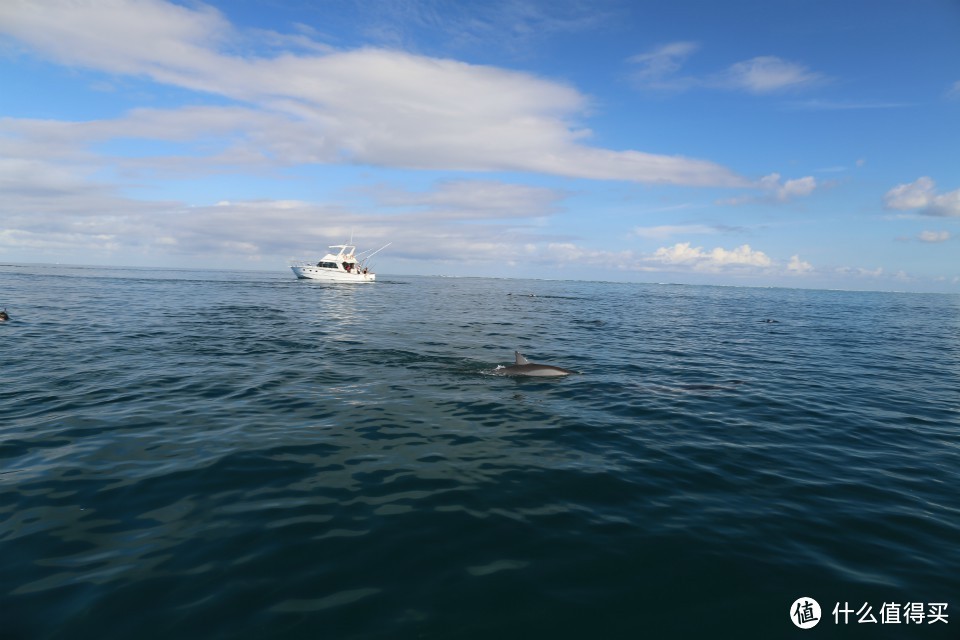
(225, 454)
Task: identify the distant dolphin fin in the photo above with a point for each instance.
(520, 358)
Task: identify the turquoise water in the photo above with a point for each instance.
(200, 454)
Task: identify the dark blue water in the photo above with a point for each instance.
(202, 454)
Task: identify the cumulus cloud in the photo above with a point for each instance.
(788, 189)
(922, 195)
(660, 69)
(679, 258)
(684, 255)
(796, 265)
(914, 195)
(367, 106)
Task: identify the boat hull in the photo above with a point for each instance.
(305, 272)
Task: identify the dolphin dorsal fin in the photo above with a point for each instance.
(520, 358)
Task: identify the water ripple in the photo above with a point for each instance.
(178, 462)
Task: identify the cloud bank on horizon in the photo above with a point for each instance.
(181, 134)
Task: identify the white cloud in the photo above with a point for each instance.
(947, 204)
(121, 36)
(473, 200)
(35, 188)
(860, 272)
(796, 265)
(368, 106)
(684, 255)
(678, 258)
(657, 69)
(777, 191)
(798, 187)
(259, 230)
(767, 74)
(665, 59)
(922, 194)
(226, 232)
(50, 215)
(934, 236)
(660, 70)
(914, 195)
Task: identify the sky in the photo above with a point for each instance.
(797, 143)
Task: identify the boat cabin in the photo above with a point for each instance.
(343, 260)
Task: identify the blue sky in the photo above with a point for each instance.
(800, 143)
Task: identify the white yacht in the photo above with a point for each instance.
(343, 266)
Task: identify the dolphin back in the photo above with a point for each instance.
(524, 367)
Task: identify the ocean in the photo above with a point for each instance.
(234, 454)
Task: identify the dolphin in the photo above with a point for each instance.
(524, 367)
